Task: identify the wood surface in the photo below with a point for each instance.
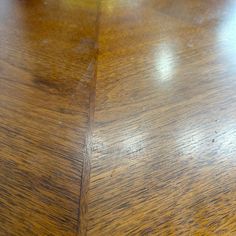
(164, 142)
(47, 58)
(117, 117)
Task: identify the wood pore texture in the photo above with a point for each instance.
(47, 62)
(164, 140)
(117, 117)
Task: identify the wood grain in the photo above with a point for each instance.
(164, 141)
(140, 93)
(47, 60)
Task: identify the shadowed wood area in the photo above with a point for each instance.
(47, 60)
(164, 139)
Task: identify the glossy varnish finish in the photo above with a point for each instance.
(160, 134)
(164, 142)
(47, 57)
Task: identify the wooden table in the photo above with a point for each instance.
(117, 117)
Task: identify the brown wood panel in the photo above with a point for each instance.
(164, 142)
(47, 59)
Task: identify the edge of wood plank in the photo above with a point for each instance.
(85, 179)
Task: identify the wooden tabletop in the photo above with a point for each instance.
(117, 117)
(47, 58)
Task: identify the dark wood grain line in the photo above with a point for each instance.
(83, 203)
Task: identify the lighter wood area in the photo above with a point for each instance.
(165, 136)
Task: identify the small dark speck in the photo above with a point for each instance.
(66, 111)
(124, 205)
(213, 140)
(215, 132)
(112, 173)
(216, 120)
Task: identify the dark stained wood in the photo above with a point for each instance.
(164, 142)
(47, 60)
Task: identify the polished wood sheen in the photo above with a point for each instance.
(117, 117)
(164, 143)
(47, 58)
